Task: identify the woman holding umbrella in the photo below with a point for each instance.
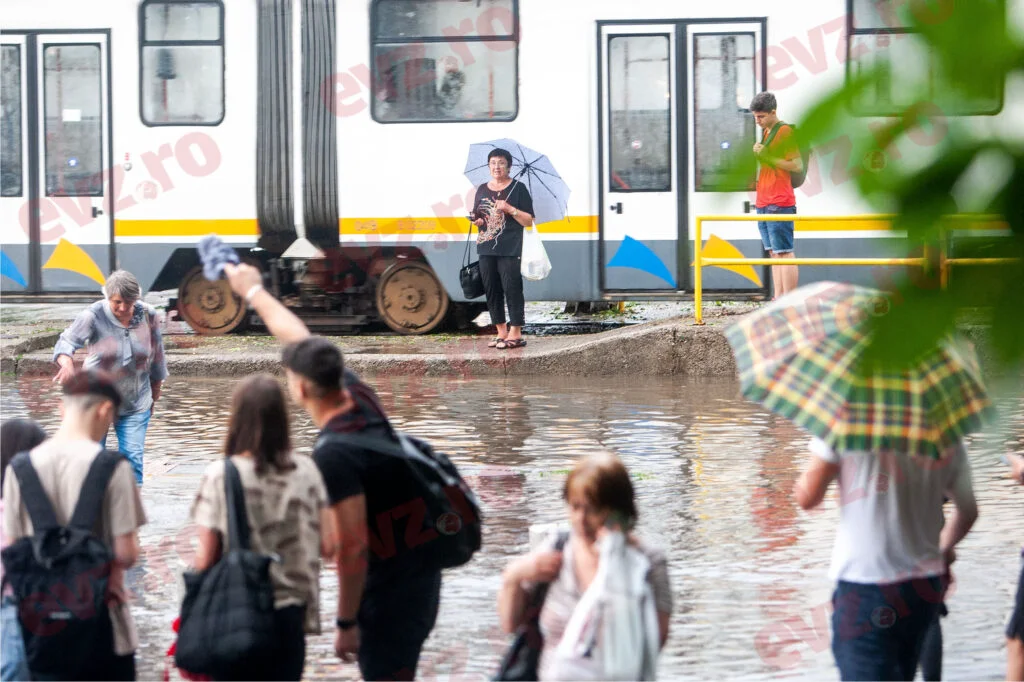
(502, 208)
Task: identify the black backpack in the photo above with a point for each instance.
(61, 576)
(227, 617)
(450, 532)
(805, 153)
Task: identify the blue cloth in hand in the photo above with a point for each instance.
(215, 254)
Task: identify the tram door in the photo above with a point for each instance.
(641, 206)
(55, 222)
(724, 75)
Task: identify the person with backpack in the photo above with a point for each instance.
(16, 435)
(599, 496)
(389, 591)
(286, 508)
(71, 519)
(781, 169)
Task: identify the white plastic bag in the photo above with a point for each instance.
(535, 264)
(613, 632)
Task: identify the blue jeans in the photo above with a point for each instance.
(776, 235)
(878, 630)
(12, 648)
(131, 437)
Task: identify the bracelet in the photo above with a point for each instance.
(344, 624)
(515, 212)
(255, 289)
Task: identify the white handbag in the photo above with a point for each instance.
(613, 631)
(535, 263)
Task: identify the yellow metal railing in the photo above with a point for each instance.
(944, 262)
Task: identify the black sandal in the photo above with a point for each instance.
(495, 342)
(514, 343)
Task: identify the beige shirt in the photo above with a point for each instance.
(62, 466)
(284, 519)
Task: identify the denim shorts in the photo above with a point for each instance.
(777, 235)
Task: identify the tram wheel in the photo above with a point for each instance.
(410, 298)
(210, 308)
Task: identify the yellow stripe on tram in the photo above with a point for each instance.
(241, 227)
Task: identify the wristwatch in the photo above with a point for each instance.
(343, 624)
(515, 212)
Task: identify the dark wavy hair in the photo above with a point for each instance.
(259, 424)
(17, 435)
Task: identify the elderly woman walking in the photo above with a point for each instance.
(123, 336)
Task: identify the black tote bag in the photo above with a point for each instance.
(522, 659)
(227, 616)
(469, 276)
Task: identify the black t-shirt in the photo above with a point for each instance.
(501, 235)
(383, 479)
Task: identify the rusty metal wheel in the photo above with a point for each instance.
(410, 298)
(210, 308)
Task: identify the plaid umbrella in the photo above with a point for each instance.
(800, 357)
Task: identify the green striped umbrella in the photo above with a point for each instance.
(800, 357)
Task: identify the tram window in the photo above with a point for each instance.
(724, 84)
(444, 60)
(182, 63)
(73, 120)
(10, 121)
(640, 105)
(884, 43)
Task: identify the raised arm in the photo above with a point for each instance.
(247, 282)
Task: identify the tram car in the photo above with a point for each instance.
(327, 141)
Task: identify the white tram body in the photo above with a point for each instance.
(131, 129)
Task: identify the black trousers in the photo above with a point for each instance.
(290, 658)
(503, 281)
(107, 667)
(394, 621)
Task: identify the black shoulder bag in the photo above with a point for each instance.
(227, 617)
(445, 521)
(523, 657)
(469, 276)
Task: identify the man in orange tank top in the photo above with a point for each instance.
(777, 156)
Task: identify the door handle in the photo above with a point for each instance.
(617, 208)
(96, 212)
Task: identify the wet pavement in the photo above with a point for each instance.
(713, 475)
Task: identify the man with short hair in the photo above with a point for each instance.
(90, 404)
(388, 597)
(892, 551)
(778, 157)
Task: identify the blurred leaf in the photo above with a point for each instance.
(918, 318)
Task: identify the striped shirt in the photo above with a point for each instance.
(134, 354)
(564, 594)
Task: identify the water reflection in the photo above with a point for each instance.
(713, 475)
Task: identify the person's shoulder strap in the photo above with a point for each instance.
(33, 496)
(94, 489)
(234, 494)
(365, 442)
(774, 131)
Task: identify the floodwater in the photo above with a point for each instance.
(713, 474)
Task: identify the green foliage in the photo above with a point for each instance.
(956, 161)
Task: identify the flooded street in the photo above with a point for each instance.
(713, 474)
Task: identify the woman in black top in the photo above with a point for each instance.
(503, 207)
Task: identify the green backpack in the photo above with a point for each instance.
(805, 153)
